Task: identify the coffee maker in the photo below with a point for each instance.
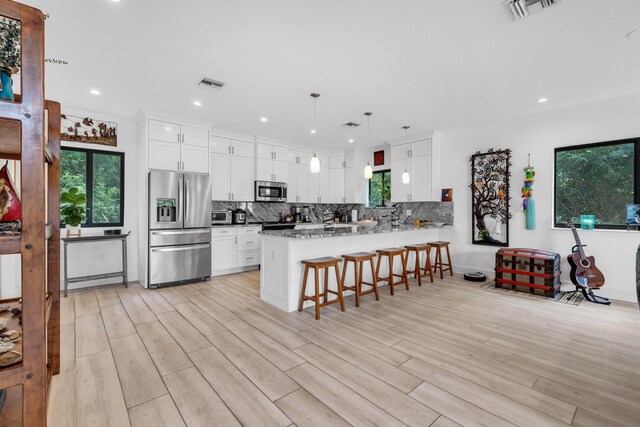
(306, 213)
(296, 213)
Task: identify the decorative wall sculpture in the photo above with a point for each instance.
(88, 130)
(490, 197)
(528, 202)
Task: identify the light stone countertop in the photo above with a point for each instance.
(354, 230)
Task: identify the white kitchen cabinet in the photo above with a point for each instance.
(241, 182)
(224, 253)
(272, 162)
(195, 136)
(164, 155)
(164, 131)
(336, 186)
(194, 158)
(411, 149)
(234, 249)
(178, 147)
(232, 166)
(400, 191)
(420, 179)
(220, 176)
(293, 185)
(319, 182)
(355, 184)
(336, 162)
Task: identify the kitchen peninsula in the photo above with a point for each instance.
(281, 271)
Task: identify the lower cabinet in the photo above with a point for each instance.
(234, 249)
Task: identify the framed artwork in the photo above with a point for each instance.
(88, 130)
(447, 194)
(378, 158)
(489, 186)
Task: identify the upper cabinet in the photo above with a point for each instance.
(178, 147)
(417, 159)
(272, 162)
(232, 165)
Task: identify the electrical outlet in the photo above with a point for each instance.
(100, 256)
(408, 212)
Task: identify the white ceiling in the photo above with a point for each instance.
(432, 64)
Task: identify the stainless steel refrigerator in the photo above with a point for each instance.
(179, 228)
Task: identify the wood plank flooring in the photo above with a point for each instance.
(446, 354)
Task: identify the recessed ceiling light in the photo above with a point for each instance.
(197, 103)
(116, 1)
(313, 131)
(542, 100)
(94, 92)
(351, 141)
(264, 119)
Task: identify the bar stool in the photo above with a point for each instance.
(358, 260)
(391, 253)
(317, 264)
(438, 262)
(418, 271)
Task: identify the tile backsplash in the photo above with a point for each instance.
(271, 212)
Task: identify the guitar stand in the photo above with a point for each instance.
(591, 297)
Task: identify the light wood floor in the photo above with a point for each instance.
(447, 354)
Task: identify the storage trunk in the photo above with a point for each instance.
(528, 270)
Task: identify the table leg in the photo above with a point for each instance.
(66, 283)
(124, 263)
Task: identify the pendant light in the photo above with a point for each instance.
(315, 164)
(368, 170)
(315, 161)
(315, 97)
(405, 176)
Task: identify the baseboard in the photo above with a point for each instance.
(234, 270)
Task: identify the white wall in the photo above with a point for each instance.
(614, 250)
(105, 257)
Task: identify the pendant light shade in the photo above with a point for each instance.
(315, 164)
(368, 171)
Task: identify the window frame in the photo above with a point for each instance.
(89, 174)
(636, 173)
(382, 172)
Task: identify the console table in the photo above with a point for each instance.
(84, 239)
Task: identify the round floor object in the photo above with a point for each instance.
(475, 277)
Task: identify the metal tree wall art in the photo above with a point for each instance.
(490, 197)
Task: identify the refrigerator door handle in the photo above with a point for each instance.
(186, 196)
(181, 248)
(174, 232)
(180, 202)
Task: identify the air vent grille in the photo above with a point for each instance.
(351, 124)
(522, 8)
(210, 83)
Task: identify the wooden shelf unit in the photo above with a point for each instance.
(22, 137)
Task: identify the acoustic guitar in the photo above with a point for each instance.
(584, 273)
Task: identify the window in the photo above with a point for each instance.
(100, 175)
(380, 188)
(596, 179)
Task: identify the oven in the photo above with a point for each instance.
(268, 191)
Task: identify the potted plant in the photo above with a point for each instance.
(9, 56)
(73, 210)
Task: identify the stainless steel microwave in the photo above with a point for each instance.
(221, 217)
(268, 191)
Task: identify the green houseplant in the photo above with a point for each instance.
(73, 210)
(9, 56)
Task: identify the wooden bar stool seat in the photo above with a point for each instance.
(318, 264)
(419, 271)
(358, 260)
(390, 254)
(438, 263)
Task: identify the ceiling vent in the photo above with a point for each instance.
(523, 8)
(210, 83)
(351, 124)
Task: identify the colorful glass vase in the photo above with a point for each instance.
(6, 87)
